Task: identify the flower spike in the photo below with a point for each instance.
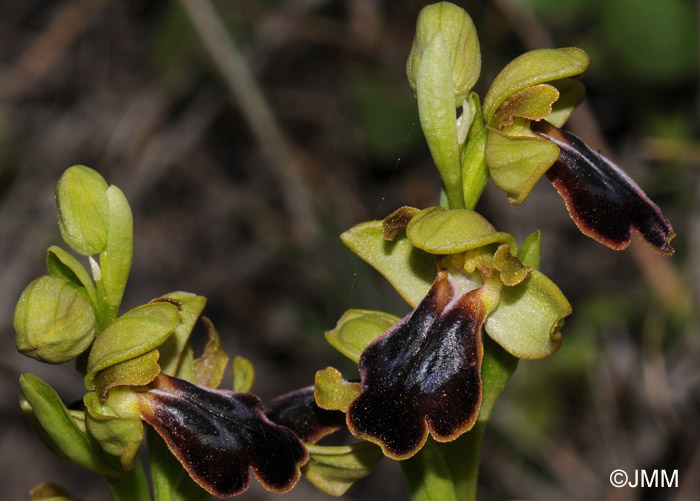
(603, 201)
(422, 375)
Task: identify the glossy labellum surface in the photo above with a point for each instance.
(604, 202)
(218, 435)
(422, 375)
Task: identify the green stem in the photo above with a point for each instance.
(131, 485)
(427, 475)
(462, 458)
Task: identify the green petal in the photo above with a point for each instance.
(136, 332)
(209, 368)
(517, 163)
(332, 392)
(571, 93)
(409, 270)
(440, 231)
(83, 210)
(532, 68)
(137, 371)
(358, 328)
(528, 318)
(333, 469)
(532, 103)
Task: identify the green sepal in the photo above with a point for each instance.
(209, 368)
(53, 323)
(138, 371)
(461, 42)
(191, 307)
(333, 469)
(532, 68)
(63, 264)
(427, 475)
(517, 163)
(115, 259)
(358, 328)
(138, 331)
(531, 103)
(243, 374)
(440, 231)
(332, 392)
(529, 317)
(409, 270)
(59, 427)
(475, 172)
(83, 210)
(185, 369)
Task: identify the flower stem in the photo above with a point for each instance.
(131, 485)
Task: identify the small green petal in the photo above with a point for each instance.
(440, 231)
(532, 103)
(358, 328)
(83, 210)
(532, 68)
(571, 93)
(517, 163)
(397, 221)
(333, 469)
(512, 271)
(409, 270)
(136, 332)
(243, 375)
(528, 318)
(332, 392)
(137, 371)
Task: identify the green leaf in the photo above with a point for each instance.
(243, 375)
(529, 317)
(358, 328)
(461, 43)
(83, 210)
(52, 321)
(517, 163)
(191, 307)
(427, 475)
(532, 68)
(440, 231)
(209, 368)
(333, 469)
(136, 332)
(57, 424)
(63, 265)
(409, 270)
(475, 172)
(115, 259)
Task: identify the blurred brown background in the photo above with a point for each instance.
(240, 190)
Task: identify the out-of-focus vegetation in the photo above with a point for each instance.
(128, 89)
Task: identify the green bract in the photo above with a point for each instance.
(333, 469)
(53, 322)
(356, 329)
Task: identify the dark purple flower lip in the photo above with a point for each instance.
(603, 201)
(422, 375)
(298, 411)
(218, 435)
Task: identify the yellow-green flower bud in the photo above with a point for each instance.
(53, 322)
(83, 210)
(461, 43)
